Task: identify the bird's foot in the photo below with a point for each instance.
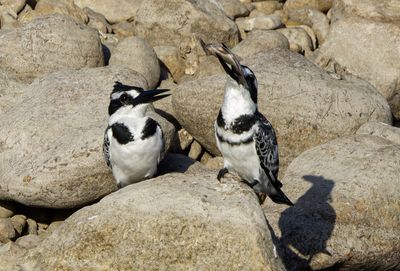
(222, 173)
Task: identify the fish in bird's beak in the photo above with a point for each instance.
(149, 96)
(225, 56)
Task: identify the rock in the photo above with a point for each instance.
(171, 58)
(28, 241)
(157, 22)
(267, 7)
(346, 207)
(114, 12)
(306, 105)
(185, 139)
(7, 209)
(233, 8)
(298, 38)
(175, 162)
(259, 40)
(267, 22)
(383, 11)
(124, 29)
(97, 21)
(52, 51)
(313, 18)
(31, 226)
(10, 256)
(381, 130)
(18, 222)
(63, 7)
(215, 163)
(15, 5)
(185, 213)
(195, 150)
(205, 157)
(10, 91)
(136, 54)
(8, 18)
(321, 5)
(46, 159)
(369, 50)
(7, 231)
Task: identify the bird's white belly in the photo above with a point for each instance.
(241, 159)
(135, 161)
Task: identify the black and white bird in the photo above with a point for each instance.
(133, 142)
(244, 136)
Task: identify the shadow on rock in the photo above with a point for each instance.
(307, 226)
(174, 162)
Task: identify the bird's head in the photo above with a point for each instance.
(124, 97)
(241, 74)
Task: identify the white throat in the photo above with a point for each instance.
(237, 102)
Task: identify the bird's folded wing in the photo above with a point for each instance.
(106, 147)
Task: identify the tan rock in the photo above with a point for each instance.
(321, 5)
(7, 231)
(14, 5)
(19, 223)
(195, 150)
(380, 129)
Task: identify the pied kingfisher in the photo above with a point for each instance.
(133, 143)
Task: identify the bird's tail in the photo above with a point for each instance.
(275, 193)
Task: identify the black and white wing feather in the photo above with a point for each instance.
(106, 147)
(267, 149)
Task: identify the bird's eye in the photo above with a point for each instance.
(124, 98)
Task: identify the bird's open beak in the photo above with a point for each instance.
(149, 96)
(226, 56)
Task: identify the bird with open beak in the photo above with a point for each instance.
(244, 136)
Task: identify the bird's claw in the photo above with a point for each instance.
(221, 173)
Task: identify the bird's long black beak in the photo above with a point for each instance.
(226, 56)
(149, 96)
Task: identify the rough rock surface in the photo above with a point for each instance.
(136, 54)
(322, 5)
(169, 22)
(306, 105)
(41, 47)
(368, 49)
(347, 206)
(260, 40)
(171, 222)
(15, 5)
(114, 11)
(51, 145)
(63, 7)
(233, 8)
(10, 91)
(381, 130)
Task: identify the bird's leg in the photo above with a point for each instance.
(222, 173)
(252, 184)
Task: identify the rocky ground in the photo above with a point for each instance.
(329, 81)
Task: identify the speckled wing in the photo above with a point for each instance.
(106, 147)
(267, 149)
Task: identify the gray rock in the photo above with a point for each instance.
(267, 7)
(298, 38)
(7, 231)
(28, 241)
(47, 7)
(31, 226)
(136, 54)
(233, 8)
(346, 211)
(19, 223)
(259, 40)
(171, 58)
(306, 105)
(321, 5)
(8, 18)
(314, 19)
(367, 49)
(52, 157)
(384, 10)
(114, 11)
(381, 130)
(266, 22)
(10, 255)
(124, 29)
(14, 5)
(158, 21)
(184, 213)
(7, 209)
(40, 47)
(97, 21)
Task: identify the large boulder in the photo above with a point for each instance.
(10, 91)
(114, 11)
(135, 53)
(48, 44)
(347, 207)
(176, 221)
(368, 49)
(321, 5)
(51, 143)
(381, 130)
(306, 105)
(169, 22)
